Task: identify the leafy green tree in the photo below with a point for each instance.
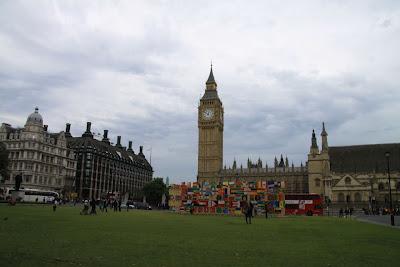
(154, 190)
(3, 162)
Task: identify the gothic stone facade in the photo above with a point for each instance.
(345, 175)
(211, 127)
(354, 176)
(295, 178)
(210, 150)
(42, 157)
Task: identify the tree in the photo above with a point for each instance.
(3, 162)
(154, 190)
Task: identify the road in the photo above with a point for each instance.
(379, 219)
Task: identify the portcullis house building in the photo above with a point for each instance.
(103, 168)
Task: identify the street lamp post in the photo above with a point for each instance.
(387, 155)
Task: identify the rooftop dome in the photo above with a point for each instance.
(35, 118)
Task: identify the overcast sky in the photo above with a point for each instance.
(138, 68)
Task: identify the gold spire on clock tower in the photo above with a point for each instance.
(211, 128)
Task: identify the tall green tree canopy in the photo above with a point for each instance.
(154, 190)
(3, 162)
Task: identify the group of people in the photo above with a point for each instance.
(381, 211)
(103, 205)
(247, 210)
(346, 213)
(86, 204)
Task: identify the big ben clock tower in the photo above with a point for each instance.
(211, 129)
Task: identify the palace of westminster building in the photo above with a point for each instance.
(344, 175)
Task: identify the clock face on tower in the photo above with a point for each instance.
(208, 114)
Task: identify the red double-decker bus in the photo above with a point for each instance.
(303, 204)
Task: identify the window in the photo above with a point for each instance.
(357, 197)
(381, 187)
(341, 197)
(347, 181)
(317, 182)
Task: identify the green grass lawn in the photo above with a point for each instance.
(35, 236)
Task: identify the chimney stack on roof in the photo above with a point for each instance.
(105, 137)
(67, 130)
(88, 132)
(130, 146)
(118, 142)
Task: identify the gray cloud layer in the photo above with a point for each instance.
(138, 69)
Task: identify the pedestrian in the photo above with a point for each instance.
(249, 212)
(100, 203)
(93, 206)
(55, 205)
(105, 204)
(341, 213)
(266, 210)
(346, 212)
(191, 209)
(119, 204)
(115, 205)
(244, 205)
(85, 208)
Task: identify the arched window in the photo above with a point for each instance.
(357, 197)
(347, 181)
(381, 187)
(348, 198)
(341, 197)
(317, 182)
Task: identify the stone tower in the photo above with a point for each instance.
(211, 129)
(319, 178)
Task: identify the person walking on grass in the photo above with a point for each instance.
(244, 205)
(105, 204)
(93, 206)
(115, 205)
(55, 205)
(85, 208)
(266, 210)
(249, 212)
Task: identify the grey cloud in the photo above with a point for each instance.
(280, 74)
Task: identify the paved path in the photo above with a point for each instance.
(379, 219)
